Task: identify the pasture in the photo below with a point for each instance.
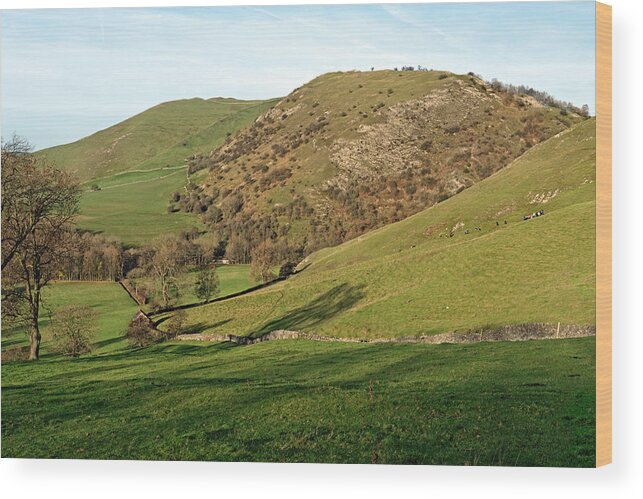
(113, 307)
(515, 404)
(232, 279)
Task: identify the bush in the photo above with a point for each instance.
(287, 269)
(140, 332)
(175, 324)
(14, 354)
(73, 328)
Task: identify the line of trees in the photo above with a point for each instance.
(540, 96)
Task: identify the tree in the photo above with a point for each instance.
(263, 259)
(73, 328)
(175, 324)
(166, 261)
(206, 285)
(585, 110)
(140, 332)
(39, 203)
(18, 166)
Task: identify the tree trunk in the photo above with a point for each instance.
(34, 342)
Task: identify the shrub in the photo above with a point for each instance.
(287, 269)
(140, 332)
(13, 354)
(73, 328)
(175, 324)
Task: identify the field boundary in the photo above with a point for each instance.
(236, 294)
(514, 332)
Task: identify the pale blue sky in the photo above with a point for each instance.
(68, 73)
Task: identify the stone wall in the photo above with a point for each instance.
(514, 332)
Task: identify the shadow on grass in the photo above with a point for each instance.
(202, 326)
(321, 309)
(110, 341)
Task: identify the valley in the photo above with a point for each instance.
(374, 206)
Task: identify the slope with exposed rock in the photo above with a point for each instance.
(349, 152)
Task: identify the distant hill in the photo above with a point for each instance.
(164, 135)
(130, 170)
(349, 152)
(436, 272)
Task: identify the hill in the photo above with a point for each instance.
(130, 169)
(435, 272)
(349, 152)
(161, 136)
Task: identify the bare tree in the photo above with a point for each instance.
(40, 237)
(73, 328)
(16, 159)
(263, 259)
(39, 203)
(167, 259)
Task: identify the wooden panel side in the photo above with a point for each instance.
(603, 234)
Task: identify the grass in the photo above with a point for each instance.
(406, 280)
(163, 135)
(232, 279)
(113, 307)
(518, 404)
(146, 164)
(136, 213)
(515, 404)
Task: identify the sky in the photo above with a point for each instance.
(66, 73)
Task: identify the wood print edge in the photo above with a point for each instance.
(603, 234)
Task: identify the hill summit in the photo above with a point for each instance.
(352, 151)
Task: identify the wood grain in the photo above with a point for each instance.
(603, 234)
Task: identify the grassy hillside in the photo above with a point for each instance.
(348, 152)
(158, 137)
(139, 163)
(411, 278)
(113, 307)
(511, 404)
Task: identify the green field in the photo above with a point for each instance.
(515, 404)
(136, 213)
(161, 136)
(139, 163)
(406, 280)
(232, 279)
(113, 307)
